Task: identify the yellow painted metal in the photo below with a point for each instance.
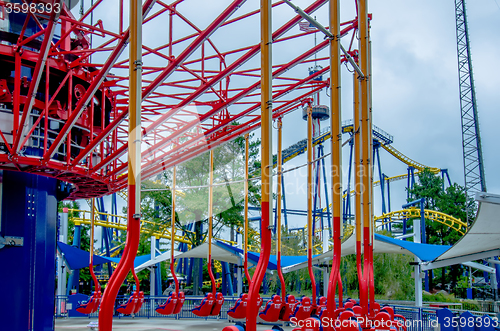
(365, 117)
(147, 227)
(357, 156)
(135, 100)
(246, 229)
(210, 205)
(278, 189)
(172, 217)
(403, 158)
(433, 215)
(336, 116)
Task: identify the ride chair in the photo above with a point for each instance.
(140, 301)
(168, 307)
(128, 307)
(272, 309)
(206, 305)
(219, 301)
(87, 307)
(239, 310)
(303, 309)
(181, 297)
(288, 308)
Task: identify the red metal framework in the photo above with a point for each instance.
(64, 105)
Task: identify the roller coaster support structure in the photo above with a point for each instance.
(471, 140)
(418, 237)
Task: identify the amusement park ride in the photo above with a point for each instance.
(79, 119)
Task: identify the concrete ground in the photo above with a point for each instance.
(144, 324)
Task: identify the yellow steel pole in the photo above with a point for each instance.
(134, 170)
(245, 243)
(278, 211)
(172, 232)
(366, 152)
(266, 163)
(211, 220)
(336, 141)
(310, 201)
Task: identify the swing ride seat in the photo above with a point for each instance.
(86, 307)
(321, 304)
(129, 306)
(206, 305)
(168, 307)
(348, 321)
(349, 304)
(303, 309)
(181, 297)
(288, 307)
(219, 301)
(140, 301)
(358, 310)
(376, 308)
(398, 321)
(383, 321)
(311, 324)
(239, 310)
(322, 301)
(390, 311)
(272, 309)
(97, 302)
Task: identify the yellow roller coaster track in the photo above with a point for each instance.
(432, 215)
(147, 227)
(405, 159)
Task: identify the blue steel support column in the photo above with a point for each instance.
(347, 211)
(283, 190)
(158, 287)
(326, 196)
(229, 279)
(29, 211)
(316, 191)
(105, 233)
(382, 180)
(74, 278)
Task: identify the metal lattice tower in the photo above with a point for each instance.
(471, 140)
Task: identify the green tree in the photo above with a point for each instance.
(452, 201)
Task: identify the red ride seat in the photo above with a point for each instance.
(358, 311)
(129, 307)
(348, 322)
(140, 301)
(97, 302)
(219, 301)
(303, 309)
(271, 312)
(168, 307)
(288, 307)
(87, 307)
(206, 305)
(181, 297)
(239, 309)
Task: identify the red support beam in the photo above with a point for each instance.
(84, 101)
(35, 81)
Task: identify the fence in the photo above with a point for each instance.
(418, 318)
